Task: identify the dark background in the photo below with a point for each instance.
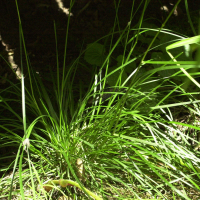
(86, 26)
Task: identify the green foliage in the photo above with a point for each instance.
(95, 54)
(132, 146)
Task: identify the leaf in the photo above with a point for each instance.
(159, 56)
(95, 54)
(119, 60)
(128, 68)
(112, 79)
(171, 42)
(143, 97)
(187, 41)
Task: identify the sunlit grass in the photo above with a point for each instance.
(132, 145)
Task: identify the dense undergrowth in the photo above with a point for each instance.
(134, 135)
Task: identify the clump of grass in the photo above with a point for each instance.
(127, 145)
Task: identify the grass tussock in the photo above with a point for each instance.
(133, 135)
